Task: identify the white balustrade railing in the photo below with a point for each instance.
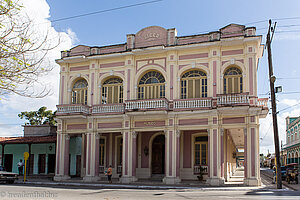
(146, 104)
(63, 109)
(108, 108)
(197, 169)
(296, 141)
(262, 102)
(194, 103)
(101, 169)
(119, 169)
(233, 99)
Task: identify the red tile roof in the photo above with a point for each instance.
(27, 140)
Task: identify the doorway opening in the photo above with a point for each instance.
(158, 155)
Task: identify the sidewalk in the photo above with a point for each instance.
(146, 184)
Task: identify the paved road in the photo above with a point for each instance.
(23, 192)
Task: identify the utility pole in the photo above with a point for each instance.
(272, 79)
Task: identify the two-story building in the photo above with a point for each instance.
(292, 146)
(162, 106)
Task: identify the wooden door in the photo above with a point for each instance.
(78, 165)
(31, 161)
(42, 163)
(158, 155)
(51, 163)
(8, 162)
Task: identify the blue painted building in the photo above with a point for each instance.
(292, 146)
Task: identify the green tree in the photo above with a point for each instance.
(23, 52)
(42, 116)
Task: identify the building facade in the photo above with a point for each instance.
(292, 146)
(39, 141)
(162, 106)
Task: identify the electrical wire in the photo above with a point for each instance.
(103, 11)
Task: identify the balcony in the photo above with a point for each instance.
(146, 104)
(231, 99)
(108, 108)
(119, 169)
(72, 109)
(186, 104)
(163, 104)
(292, 143)
(263, 102)
(197, 169)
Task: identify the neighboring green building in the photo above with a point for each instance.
(39, 142)
(292, 145)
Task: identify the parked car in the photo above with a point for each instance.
(7, 177)
(283, 174)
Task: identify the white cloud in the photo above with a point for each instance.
(39, 12)
(73, 36)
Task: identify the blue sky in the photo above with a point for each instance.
(188, 17)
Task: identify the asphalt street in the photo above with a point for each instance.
(19, 191)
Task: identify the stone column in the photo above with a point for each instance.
(215, 157)
(252, 172)
(91, 153)
(129, 158)
(172, 155)
(62, 157)
(97, 156)
(222, 153)
(134, 150)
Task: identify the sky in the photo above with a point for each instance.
(188, 17)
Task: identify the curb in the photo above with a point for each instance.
(162, 187)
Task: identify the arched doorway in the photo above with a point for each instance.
(158, 155)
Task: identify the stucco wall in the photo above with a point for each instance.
(75, 149)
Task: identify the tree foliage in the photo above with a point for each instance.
(42, 116)
(22, 52)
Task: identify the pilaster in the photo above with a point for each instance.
(129, 157)
(252, 173)
(62, 157)
(91, 159)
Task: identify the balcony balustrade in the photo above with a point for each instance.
(163, 104)
(262, 102)
(108, 108)
(119, 169)
(197, 169)
(294, 142)
(101, 169)
(230, 99)
(192, 103)
(72, 109)
(159, 104)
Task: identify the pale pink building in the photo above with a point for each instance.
(162, 107)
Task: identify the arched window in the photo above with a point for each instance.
(79, 92)
(233, 81)
(112, 91)
(151, 86)
(193, 84)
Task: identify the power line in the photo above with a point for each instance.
(103, 11)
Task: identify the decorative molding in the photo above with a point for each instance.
(245, 131)
(97, 136)
(134, 134)
(178, 133)
(222, 131)
(67, 137)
